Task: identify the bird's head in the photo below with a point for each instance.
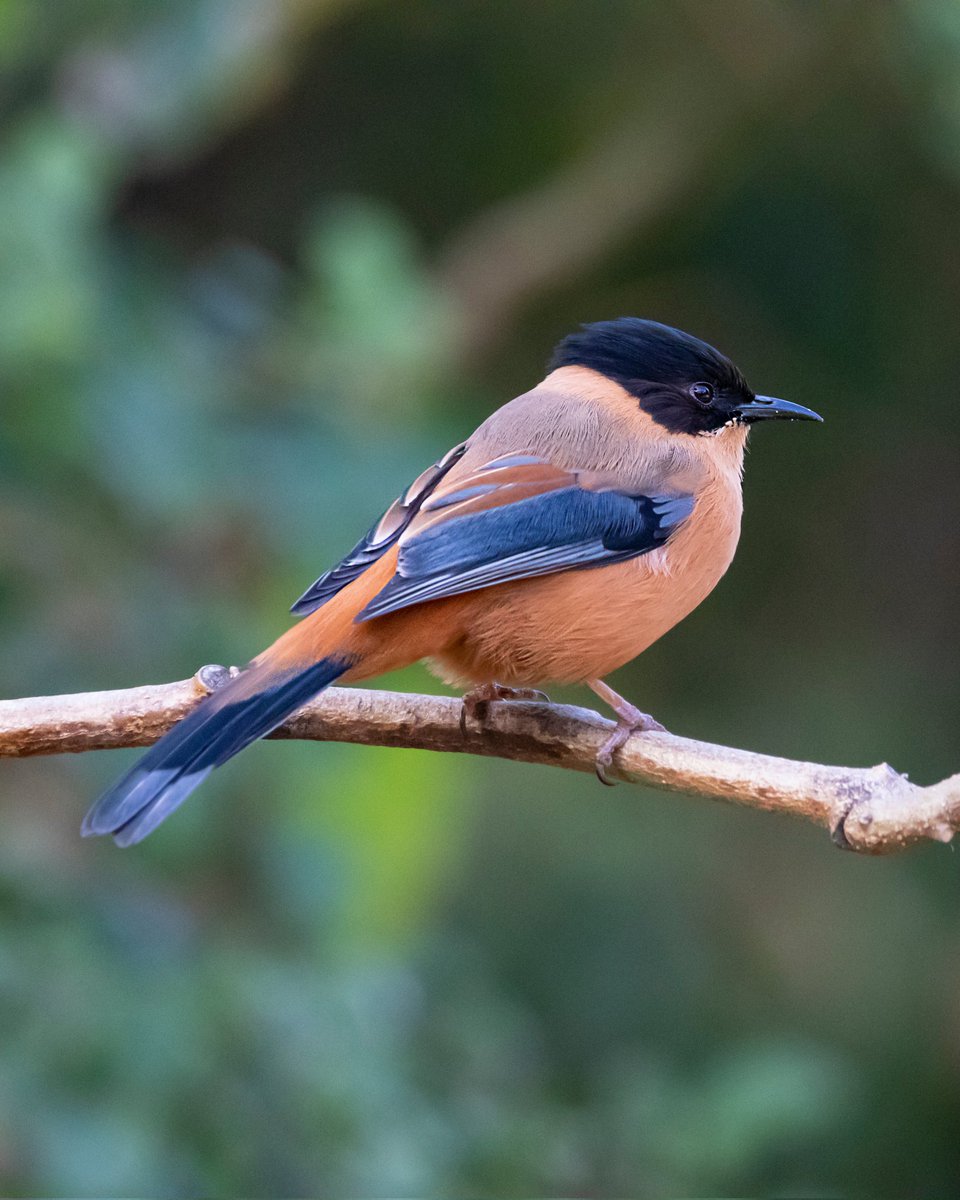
(679, 381)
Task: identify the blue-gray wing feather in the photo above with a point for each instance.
(379, 539)
(561, 530)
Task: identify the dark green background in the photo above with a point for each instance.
(260, 263)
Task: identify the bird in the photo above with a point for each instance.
(577, 525)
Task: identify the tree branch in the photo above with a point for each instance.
(873, 810)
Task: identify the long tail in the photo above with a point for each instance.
(248, 707)
(302, 662)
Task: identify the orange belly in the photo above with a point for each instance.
(565, 627)
(584, 624)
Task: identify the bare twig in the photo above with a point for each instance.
(873, 810)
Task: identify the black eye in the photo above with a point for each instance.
(702, 393)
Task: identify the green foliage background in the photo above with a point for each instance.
(260, 262)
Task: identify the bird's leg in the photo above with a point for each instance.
(629, 720)
(475, 701)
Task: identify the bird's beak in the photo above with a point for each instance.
(769, 408)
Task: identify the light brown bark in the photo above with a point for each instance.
(873, 810)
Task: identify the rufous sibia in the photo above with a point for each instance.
(577, 525)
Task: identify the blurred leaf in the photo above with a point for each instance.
(224, 348)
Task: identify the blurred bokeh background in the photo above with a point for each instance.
(261, 261)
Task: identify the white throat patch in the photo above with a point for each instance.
(720, 428)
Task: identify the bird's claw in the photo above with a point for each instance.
(528, 694)
(476, 702)
(463, 716)
(636, 722)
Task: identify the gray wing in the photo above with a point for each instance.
(380, 538)
(518, 518)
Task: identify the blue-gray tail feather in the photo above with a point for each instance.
(218, 728)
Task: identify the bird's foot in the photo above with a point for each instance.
(630, 720)
(476, 702)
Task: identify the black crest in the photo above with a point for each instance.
(660, 365)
